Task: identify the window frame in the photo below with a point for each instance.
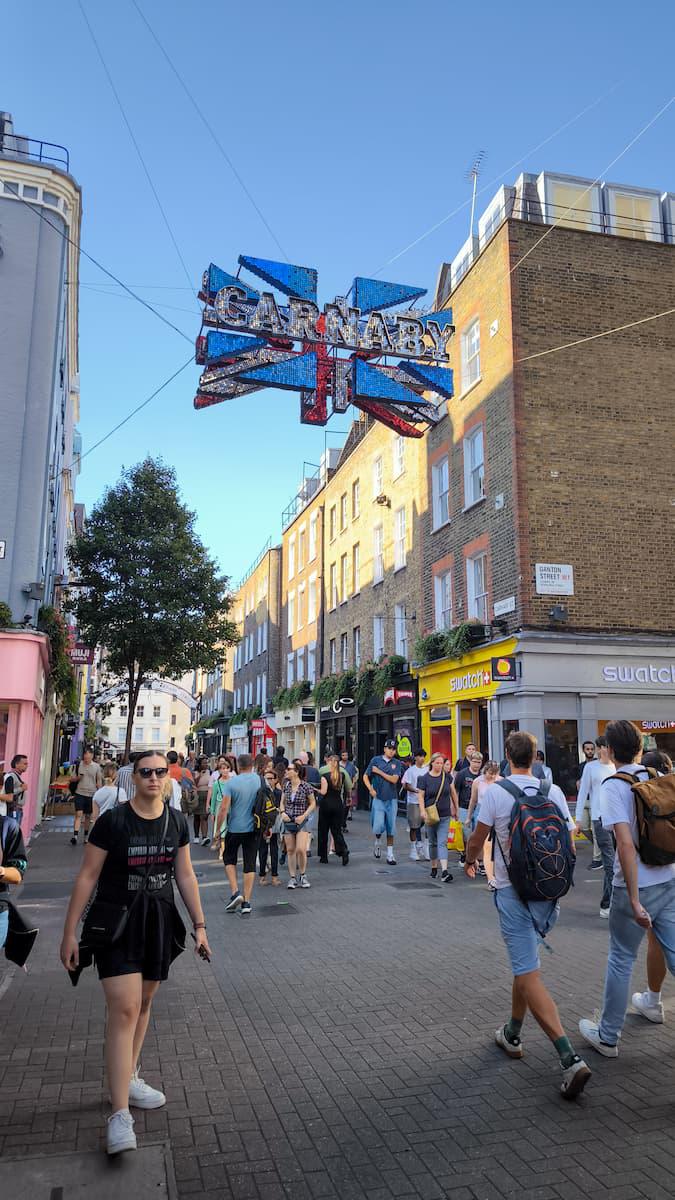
(290, 668)
(400, 539)
(290, 613)
(467, 359)
(472, 596)
(312, 538)
(332, 655)
(344, 651)
(436, 493)
(343, 512)
(356, 499)
(400, 630)
(291, 557)
(378, 554)
(398, 456)
(378, 476)
(356, 646)
(312, 593)
(344, 578)
(439, 582)
(468, 442)
(332, 523)
(332, 587)
(378, 628)
(356, 568)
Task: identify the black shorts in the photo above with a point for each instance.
(154, 936)
(84, 804)
(249, 849)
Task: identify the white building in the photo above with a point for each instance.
(164, 714)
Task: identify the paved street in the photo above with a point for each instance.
(340, 1044)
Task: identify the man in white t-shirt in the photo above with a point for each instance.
(642, 897)
(524, 925)
(419, 851)
(594, 774)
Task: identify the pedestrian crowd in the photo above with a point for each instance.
(508, 821)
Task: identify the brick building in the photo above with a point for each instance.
(552, 462)
(256, 675)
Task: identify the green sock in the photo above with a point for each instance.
(512, 1030)
(566, 1051)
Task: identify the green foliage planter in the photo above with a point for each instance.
(448, 643)
(62, 673)
(6, 621)
(386, 671)
(243, 717)
(287, 698)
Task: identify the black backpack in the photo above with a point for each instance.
(265, 811)
(541, 853)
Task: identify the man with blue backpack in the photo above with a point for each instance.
(533, 857)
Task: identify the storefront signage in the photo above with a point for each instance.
(649, 673)
(657, 726)
(257, 341)
(472, 679)
(396, 695)
(504, 669)
(502, 607)
(308, 715)
(238, 731)
(554, 579)
(81, 655)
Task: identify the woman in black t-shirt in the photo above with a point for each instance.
(133, 853)
(436, 787)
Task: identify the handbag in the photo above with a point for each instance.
(106, 921)
(431, 813)
(20, 937)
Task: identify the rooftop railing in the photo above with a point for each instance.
(34, 150)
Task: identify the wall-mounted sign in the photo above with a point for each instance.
(308, 715)
(504, 669)
(502, 607)
(396, 695)
(3, 547)
(81, 655)
(256, 341)
(645, 673)
(238, 731)
(554, 579)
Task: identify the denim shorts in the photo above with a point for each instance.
(4, 925)
(516, 921)
(383, 816)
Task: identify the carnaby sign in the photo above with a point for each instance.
(254, 340)
(663, 674)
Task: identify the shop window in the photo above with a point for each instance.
(562, 754)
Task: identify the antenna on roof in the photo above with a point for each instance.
(472, 177)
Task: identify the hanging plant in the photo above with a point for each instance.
(387, 670)
(364, 685)
(6, 621)
(326, 691)
(62, 673)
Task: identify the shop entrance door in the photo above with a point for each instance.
(483, 737)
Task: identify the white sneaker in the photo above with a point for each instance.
(141, 1095)
(604, 913)
(513, 1049)
(304, 882)
(391, 861)
(120, 1134)
(575, 1078)
(377, 850)
(591, 1034)
(414, 856)
(653, 1012)
(423, 851)
(292, 883)
(196, 841)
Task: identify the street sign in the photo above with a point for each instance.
(3, 547)
(554, 579)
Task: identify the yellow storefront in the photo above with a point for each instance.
(455, 698)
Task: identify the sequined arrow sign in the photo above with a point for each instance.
(251, 340)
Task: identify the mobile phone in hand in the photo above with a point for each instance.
(202, 951)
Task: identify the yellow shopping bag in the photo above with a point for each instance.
(456, 836)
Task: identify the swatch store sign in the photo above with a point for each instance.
(652, 674)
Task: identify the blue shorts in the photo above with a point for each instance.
(518, 931)
(383, 816)
(4, 923)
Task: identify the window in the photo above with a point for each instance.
(156, 710)
(571, 205)
(291, 556)
(378, 637)
(311, 662)
(343, 512)
(259, 639)
(476, 583)
(301, 606)
(140, 709)
(332, 651)
(356, 642)
(440, 492)
(291, 613)
(400, 631)
(139, 734)
(300, 664)
(155, 733)
(356, 568)
(123, 710)
(257, 689)
(399, 456)
(356, 499)
(173, 718)
(399, 539)
(332, 523)
(172, 743)
(333, 596)
(471, 355)
(264, 635)
(237, 699)
(311, 599)
(301, 547)
(290, 662)
(378, 554)
(443, 600)
(121, 733)
(344, 578)
(313, 520)
(344, 651)
(263, 692)
(474, 472)
(378, 477)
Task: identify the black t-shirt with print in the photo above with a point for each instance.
(464, 782)
(431, 786)
(128, 840)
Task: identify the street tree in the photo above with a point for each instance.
(147, 590)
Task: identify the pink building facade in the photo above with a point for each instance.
(24, 667)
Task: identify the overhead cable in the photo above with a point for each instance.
(592, 337)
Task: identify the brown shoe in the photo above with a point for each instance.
(263, 881)
(276, 881)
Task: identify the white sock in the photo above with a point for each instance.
(390, 851)
(444, 864)
(653, 998)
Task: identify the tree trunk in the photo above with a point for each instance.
(135, 679)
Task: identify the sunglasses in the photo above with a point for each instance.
(148, 772)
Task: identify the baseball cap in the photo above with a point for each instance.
(390, 744)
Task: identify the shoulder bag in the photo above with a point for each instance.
(105, 921)
(431, 813)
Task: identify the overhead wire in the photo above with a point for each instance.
(135, 143)
(207, 124)
(592, 337)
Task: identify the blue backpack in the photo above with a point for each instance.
(542, 857)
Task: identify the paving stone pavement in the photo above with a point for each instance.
(340, 1045)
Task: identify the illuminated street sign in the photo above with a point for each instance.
(250, 340)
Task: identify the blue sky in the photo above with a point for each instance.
(353, 127)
